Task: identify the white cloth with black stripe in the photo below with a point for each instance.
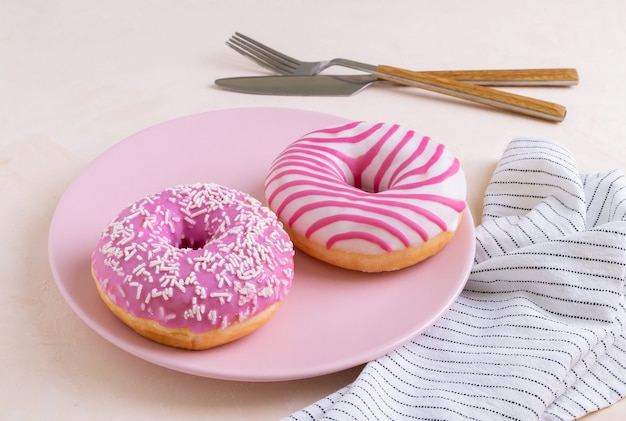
(538, 332)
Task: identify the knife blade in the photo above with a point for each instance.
(318, 85)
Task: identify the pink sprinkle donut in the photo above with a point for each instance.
(194, 266)
(368, 197)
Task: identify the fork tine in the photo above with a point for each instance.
(262, 63)
(263, 54)
(260, 57)
(285, 57)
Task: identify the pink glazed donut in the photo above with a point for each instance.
(368, 197)
(194, 266)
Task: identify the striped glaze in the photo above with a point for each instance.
(368, 188)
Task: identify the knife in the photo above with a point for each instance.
(344, 85)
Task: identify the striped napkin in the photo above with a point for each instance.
(538, 332)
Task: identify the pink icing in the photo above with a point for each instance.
(201, 256)
(367, 187)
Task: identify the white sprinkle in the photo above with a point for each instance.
(166, 280)
(198, 213)
(133, 215)
(224, 297)
(200, 291)
(180, 285)
(129, 236)
(129, 252)
(212, 316)
(266, 292)
(147, 222)
(139, 268)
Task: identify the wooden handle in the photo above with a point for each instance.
(512, 77)
(475, 93)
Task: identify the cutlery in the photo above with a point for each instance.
(337, 85)
(281, 63)
(340, 85)
(424, 80)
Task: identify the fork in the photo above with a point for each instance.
(432, 81)
(281, 63)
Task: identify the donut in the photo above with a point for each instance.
(194, 266)
(364, 196)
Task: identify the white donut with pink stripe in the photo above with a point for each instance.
(367, 196)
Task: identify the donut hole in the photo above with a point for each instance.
(188, 243)
(193, 241)
(368, 187)
(365, 182)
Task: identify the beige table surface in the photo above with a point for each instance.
(78, 76)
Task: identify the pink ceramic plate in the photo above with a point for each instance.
(332, 320)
